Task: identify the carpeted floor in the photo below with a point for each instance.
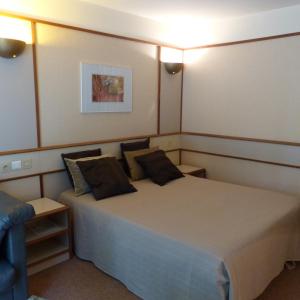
(80, 280)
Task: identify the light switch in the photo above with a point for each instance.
(16, 165)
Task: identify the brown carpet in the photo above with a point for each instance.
(80, 280)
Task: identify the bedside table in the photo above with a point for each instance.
(192, 170)
(48, 235)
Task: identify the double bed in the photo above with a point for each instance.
(190, 239)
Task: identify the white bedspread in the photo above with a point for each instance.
(191, 239)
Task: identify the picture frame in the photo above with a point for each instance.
(105, 88)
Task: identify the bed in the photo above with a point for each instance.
(190, 239)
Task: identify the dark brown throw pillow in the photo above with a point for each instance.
(76, 155)
(105, 177)
(159, 167)
(133, 146)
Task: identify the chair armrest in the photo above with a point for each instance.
(13, 212)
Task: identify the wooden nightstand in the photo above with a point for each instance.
(192, 170)
(48, 235)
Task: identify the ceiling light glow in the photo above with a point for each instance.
(171, 55)
(12, 28)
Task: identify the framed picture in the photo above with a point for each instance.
(105, 88)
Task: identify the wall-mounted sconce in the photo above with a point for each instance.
(10, 48)
(14, 35)
(173, 68)
(172, 59)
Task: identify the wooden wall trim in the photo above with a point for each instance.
(180, 156)
(265, 38)
(181, 98)
(243, 158)
(239, 138)
(158, 89)
(121, 139)
(87, 143)
(36, 85)
(42, 174)
(41, 179)
(121, 37)
(32, 175)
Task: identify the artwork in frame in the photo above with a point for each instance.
(105, 88)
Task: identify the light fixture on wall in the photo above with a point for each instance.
(11, 48)
(173, 68)
(172, 60)
(14, 34)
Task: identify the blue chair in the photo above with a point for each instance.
(13, 272)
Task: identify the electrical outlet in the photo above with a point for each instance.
(4, 167)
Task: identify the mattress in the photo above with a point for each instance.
(190, 239)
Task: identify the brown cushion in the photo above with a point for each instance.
(132, 147)
(159, 167)
(136, 171)
(105, 177)
(77, 155)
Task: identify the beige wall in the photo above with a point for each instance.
(247, 90)
(17, 103)
(59, 53)
(50, 160)
(170, 101)
(257, 174)
(282, 179)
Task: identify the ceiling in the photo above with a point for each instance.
(166, 10)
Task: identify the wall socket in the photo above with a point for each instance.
(4, 167)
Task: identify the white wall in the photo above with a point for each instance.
(59, 53)
(257, 174)
(17, 103)
(245, 91)
(271, 177)
(202, 74)
(268, 23)
(249, 90)
(170, 101)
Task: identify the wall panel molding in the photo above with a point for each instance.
(239, 138)
(87, 143)
(254, 40)
(243, 158)
(158, 89)
(36, 84)
(41, 174)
